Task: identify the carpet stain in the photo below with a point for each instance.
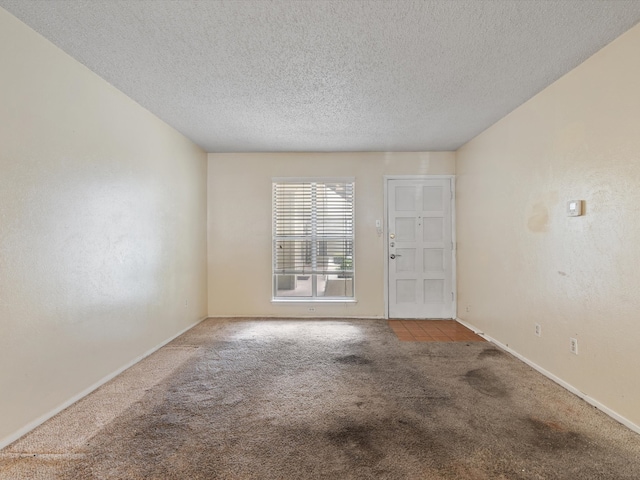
(486, 382)
(355, 441)
(490, 352)
(353, 360)
(552, 436)
(361, 446)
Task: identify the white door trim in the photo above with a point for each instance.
(454, 285)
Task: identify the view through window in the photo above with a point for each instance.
(313, 238)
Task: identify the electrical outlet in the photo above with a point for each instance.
(538, 330)
(468, 308)
(573, 345)
(312, 309)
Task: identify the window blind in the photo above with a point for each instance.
(313, 225)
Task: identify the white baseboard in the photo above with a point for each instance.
(43, 418)
(298, 317)
(616, 416)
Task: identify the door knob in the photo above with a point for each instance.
(392, 256)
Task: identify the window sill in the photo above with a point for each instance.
(314, 301)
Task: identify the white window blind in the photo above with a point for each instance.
(313, 238)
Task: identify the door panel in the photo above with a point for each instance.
(405, 229)
(433, 291)
(405, 260)
(433, 230)
(405, 199)
(432, 199)
(433, 259)
(420, 275)
(406, 291)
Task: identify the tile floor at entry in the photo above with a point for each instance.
(432, 331)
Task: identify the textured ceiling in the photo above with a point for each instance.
(329, 75)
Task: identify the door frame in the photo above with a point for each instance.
(454, 282)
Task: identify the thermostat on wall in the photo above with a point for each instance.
(574, 208)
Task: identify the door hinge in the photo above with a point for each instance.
(452, 296)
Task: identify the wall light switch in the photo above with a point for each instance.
(574, 208)
(379, 227)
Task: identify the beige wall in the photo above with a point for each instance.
(521, 260)
(240, 225)
(102, 229)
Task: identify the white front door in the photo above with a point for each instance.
(420, 248)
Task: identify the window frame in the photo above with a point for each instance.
(314, 298)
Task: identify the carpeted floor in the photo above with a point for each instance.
(278, 399)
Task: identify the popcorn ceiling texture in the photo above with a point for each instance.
(330, 75)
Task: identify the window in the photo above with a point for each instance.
(313, 239)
